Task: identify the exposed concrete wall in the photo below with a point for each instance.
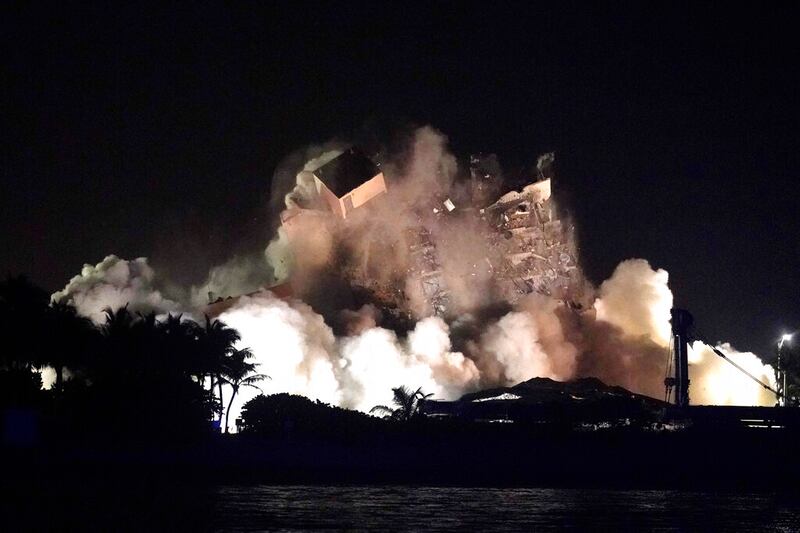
(359, 196)
(368, 190)
(335, 204)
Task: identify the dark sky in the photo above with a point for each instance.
(155, 131)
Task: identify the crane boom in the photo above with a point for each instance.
(748, 374)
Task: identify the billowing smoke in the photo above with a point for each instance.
(528, 342)
(327, 345)
(300, 352)
(375, 239)
(115, 283)
(239, 275)
(246, 274)
(629, 344)
(648, 313)
(716, 382)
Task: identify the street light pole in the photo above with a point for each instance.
(784, 400)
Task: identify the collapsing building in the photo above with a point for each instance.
(527, 248)
(534, 251)
(517, 244)
(348, 181)
(341, 185)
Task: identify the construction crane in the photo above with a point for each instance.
(682, 322)
(777, 394)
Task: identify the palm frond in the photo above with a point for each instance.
(254, 378)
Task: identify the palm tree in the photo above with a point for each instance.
(239, 373)
(408, 404)
(149, 346)
(117, 322)
(179, 343)
(69, 338)
(217, 342)
(119, 355)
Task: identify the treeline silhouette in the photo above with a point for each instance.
(131, 376)
(296, 418)
(136, 395)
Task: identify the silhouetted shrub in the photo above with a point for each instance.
(286, 415)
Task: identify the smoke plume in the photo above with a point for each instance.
(326, 344)
(716, 382)
(300, 352)
(115, 283)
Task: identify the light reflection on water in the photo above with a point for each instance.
(142, 503)
(257, 507)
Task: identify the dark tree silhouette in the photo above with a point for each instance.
(117, 357)
(286, 415)
(69, 341)
(238, 373)
(407, 404)
(142, 381)
(22, 331)
(134, 376)
(216, 342)
(180, 340)
(22, 309)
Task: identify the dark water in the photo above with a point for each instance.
(127, 505)
(481, 509)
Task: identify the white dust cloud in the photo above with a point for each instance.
(621, 337)
(298, 350)
(115, 283)
(716, 382)
(637, 299)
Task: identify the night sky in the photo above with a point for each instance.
(155, 131)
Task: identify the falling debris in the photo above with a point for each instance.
(348, 181)
(409, 271)
(536, 251)
(523, 247)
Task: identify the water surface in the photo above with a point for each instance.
(249, 508)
